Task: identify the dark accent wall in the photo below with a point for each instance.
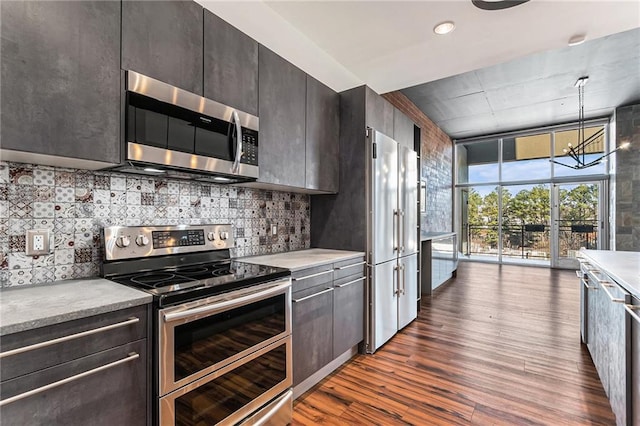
(627, 180)
(436, 158)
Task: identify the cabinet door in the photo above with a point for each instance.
(348, 313)
(407, 307)
(635, 362)
(163, 40)
(592, 315)
(312, 332)
(379, 113)
(115, 395)
(60, 78)
(281, 106)
(602, 356)
(322, 132)
(230, 65)
(403, 131)
(617, 349)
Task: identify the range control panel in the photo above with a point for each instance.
(128, 242)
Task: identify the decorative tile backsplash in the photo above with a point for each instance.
(77, 204)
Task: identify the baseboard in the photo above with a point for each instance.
(316, 377)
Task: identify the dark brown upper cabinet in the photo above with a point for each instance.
(282, 110)
(61, 82)
(322, 132)
(230, 65)
(164, 40)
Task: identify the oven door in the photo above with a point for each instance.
(199, 337)
(232, 393)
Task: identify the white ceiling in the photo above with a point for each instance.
(390, 45)
(498, 71)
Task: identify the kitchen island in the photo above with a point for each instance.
(610, 326)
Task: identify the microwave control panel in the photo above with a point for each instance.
(249, 147)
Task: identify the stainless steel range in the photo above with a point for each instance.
(222, 328)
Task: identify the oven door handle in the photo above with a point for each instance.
(227, 304)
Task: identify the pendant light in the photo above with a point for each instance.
(579, 151)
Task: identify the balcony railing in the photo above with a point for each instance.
(530, 241)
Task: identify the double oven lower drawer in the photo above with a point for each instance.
(223, 358)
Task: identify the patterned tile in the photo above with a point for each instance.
(147, 185)
(18, 277)
(84, 209)
(44, 193)
(64, 256)
(102, 182)
(82, 255)
(65, 178)
(84, 195)
(43, 175)
(118, 183)
(19, 226)
(65, 194)
(65, 210)
(42, 275)
(4, 173)
(64, 272)
(147, 199)
(63, 241)
(133, 184)
(20, 174)
(20, 260)
(133, 198)
(43, 210)
(17, 243)
(83, 239)
(83, 225)
(42, 261)
(84, 180)
(118, 197)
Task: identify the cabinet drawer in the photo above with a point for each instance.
(349, 267)
(105, 388)
(311, 277)
(70, 340)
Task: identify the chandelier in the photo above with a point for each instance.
(580, 151)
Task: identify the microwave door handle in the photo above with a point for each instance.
(236, 121)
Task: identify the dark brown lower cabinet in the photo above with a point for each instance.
(312, 332)
(89, 371)
(107, 388)
(348, 319)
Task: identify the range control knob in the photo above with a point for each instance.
(123, 241)
(224, 235)
(211, 236)
(142, 240)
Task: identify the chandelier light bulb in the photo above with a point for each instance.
(569, 145)
(565, 150)
(625, 145)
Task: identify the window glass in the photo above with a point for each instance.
(594, 148)
(478, 162)
(526, 158)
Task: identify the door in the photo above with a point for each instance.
(384, 198)
(578, 212)
(408, 201)
(383, 311)
(407, 289)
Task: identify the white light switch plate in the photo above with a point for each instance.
(39, 242)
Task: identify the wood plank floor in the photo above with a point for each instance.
(499, 345)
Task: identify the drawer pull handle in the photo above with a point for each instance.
(313, 295)
(584, 282)
(578, 274)
(132, 356)
(350, 282)
(306, 277)
(340, 268)
(631, 309)
(40, 345)
(605, 286)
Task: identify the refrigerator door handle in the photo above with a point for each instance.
(404, 279)
(396, 232)
(396, 280)
(403, 232)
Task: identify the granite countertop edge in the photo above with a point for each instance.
(127, 298)
(332, 256)
(594, 256)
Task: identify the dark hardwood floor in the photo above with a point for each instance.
(499, 345)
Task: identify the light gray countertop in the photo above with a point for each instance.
(621, 266)
(303, 259)
(424, 236)
(25, 308)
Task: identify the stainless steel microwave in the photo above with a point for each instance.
(180, 134)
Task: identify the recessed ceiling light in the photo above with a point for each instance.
(444, 27)
(577, 39)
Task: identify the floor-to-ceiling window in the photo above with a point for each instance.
(515, 203)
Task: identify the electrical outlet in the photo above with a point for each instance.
(38, 242)
(274, 230)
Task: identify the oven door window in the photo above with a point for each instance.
(224, 396)
(208, 341)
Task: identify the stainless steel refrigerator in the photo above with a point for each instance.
(392, 239)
